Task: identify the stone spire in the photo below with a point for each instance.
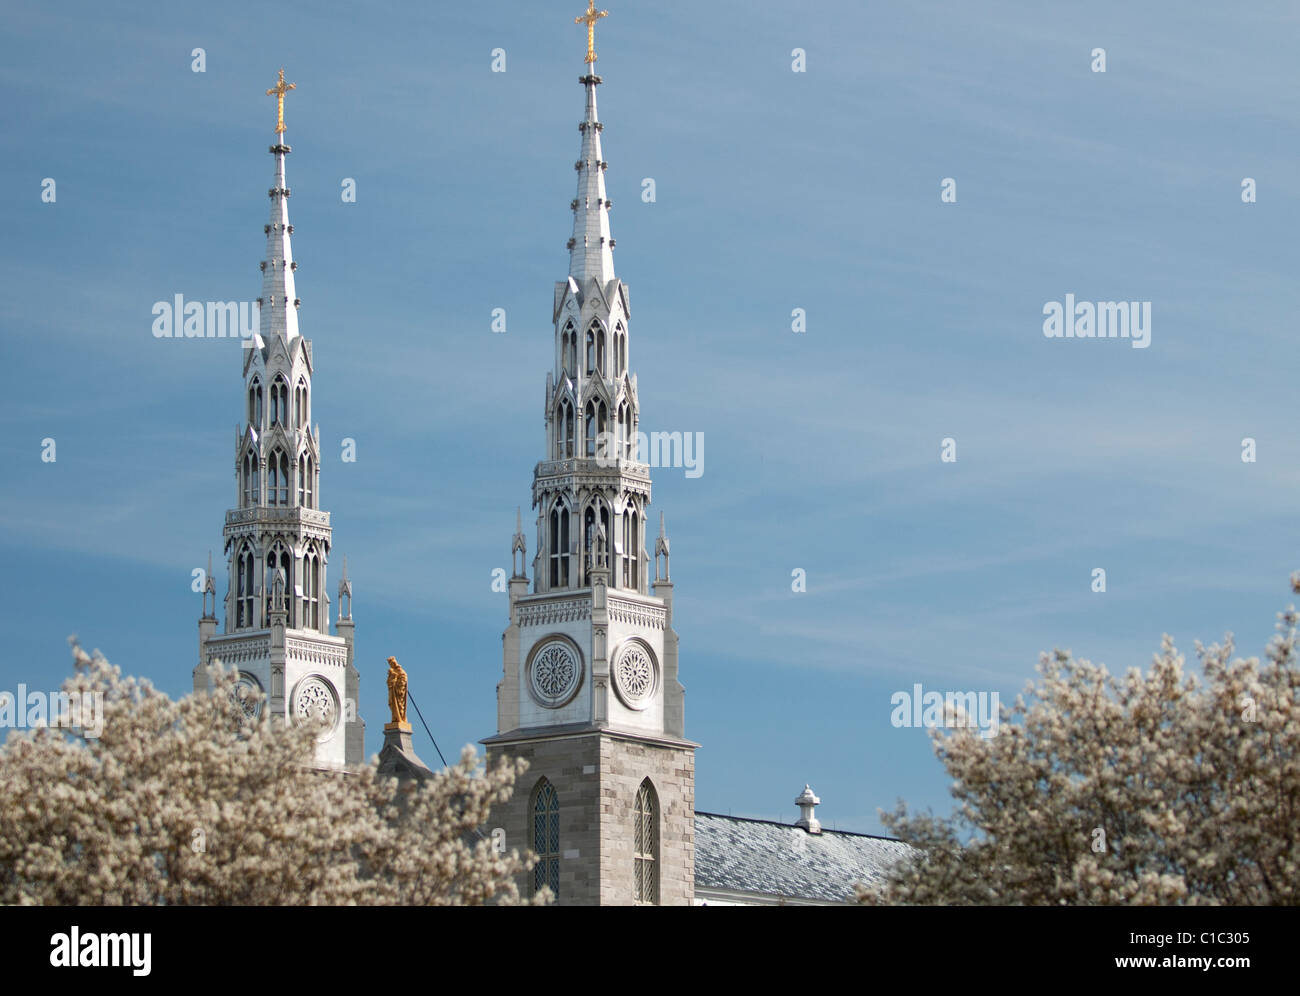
(590, 249)
(589, 692)
(279, 303)
(277, 536)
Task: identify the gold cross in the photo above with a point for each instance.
(279, 90)
(590, 18)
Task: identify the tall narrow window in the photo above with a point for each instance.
(277, 478)
(646, 845)
(255, 405)
(311, 591)
(564, 430)
(559, 547)
(624, 423)
(600, 350)
(590, 429)
(252, 495)
(631, 548)
(569, 351)
(300, 404)
(546, 837)
(279, 402)
(245, 573)
(306, 478)
(591, 350)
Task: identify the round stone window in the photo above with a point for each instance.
(554, 673)
(247, 693)
(316, 702)
(636, 675)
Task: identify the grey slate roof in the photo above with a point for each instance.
(776, 859)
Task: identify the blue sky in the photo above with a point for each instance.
(775, 190)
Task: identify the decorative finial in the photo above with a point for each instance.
(590, 18)
(345, 593)
(519, 546)
(661, 550)
(278, 91)
(397, 696)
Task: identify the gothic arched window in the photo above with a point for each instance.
(546, 837)
(564, 430)
(300, 403)
(620, 351)
(277, 478)
(645, 846)
(591, 350)
(252, 494)
(559, 547)
(569, 351)
(306, 479)
(255, 404)
(279, 402)
(245, 575)
(631, 548)
(597, 426)
(624, 423)
(311, 586)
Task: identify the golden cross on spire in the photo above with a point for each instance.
(278, 91)
(590, 18)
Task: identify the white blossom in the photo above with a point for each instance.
(1147, 788)
(192, 802)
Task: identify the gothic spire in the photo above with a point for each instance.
(279, 303)
(590, 249)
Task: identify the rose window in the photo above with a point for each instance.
(247, 693)
(634, 675)
(555, 673)
(316, 703)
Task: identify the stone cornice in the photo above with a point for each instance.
(625, 610)
(577, 731)
(554, 610)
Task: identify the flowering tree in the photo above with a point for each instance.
(1141, 789)
(191, 801)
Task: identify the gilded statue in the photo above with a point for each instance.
(397, 694)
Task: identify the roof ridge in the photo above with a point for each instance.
(795, 826)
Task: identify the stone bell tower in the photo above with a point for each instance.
(590, 694)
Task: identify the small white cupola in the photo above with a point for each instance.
(806, 801)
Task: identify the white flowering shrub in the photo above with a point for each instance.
(1136, 789)
(192, 802)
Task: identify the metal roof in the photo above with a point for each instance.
(738, 855)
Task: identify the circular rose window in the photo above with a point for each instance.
(315, 702)
(635, 676)
(554, 673)
(247, 693)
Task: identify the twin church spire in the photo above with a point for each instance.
(276, 630)
(589, 692)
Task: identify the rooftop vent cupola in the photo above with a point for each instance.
(806, 801)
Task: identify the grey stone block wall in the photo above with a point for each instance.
(596, 777)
